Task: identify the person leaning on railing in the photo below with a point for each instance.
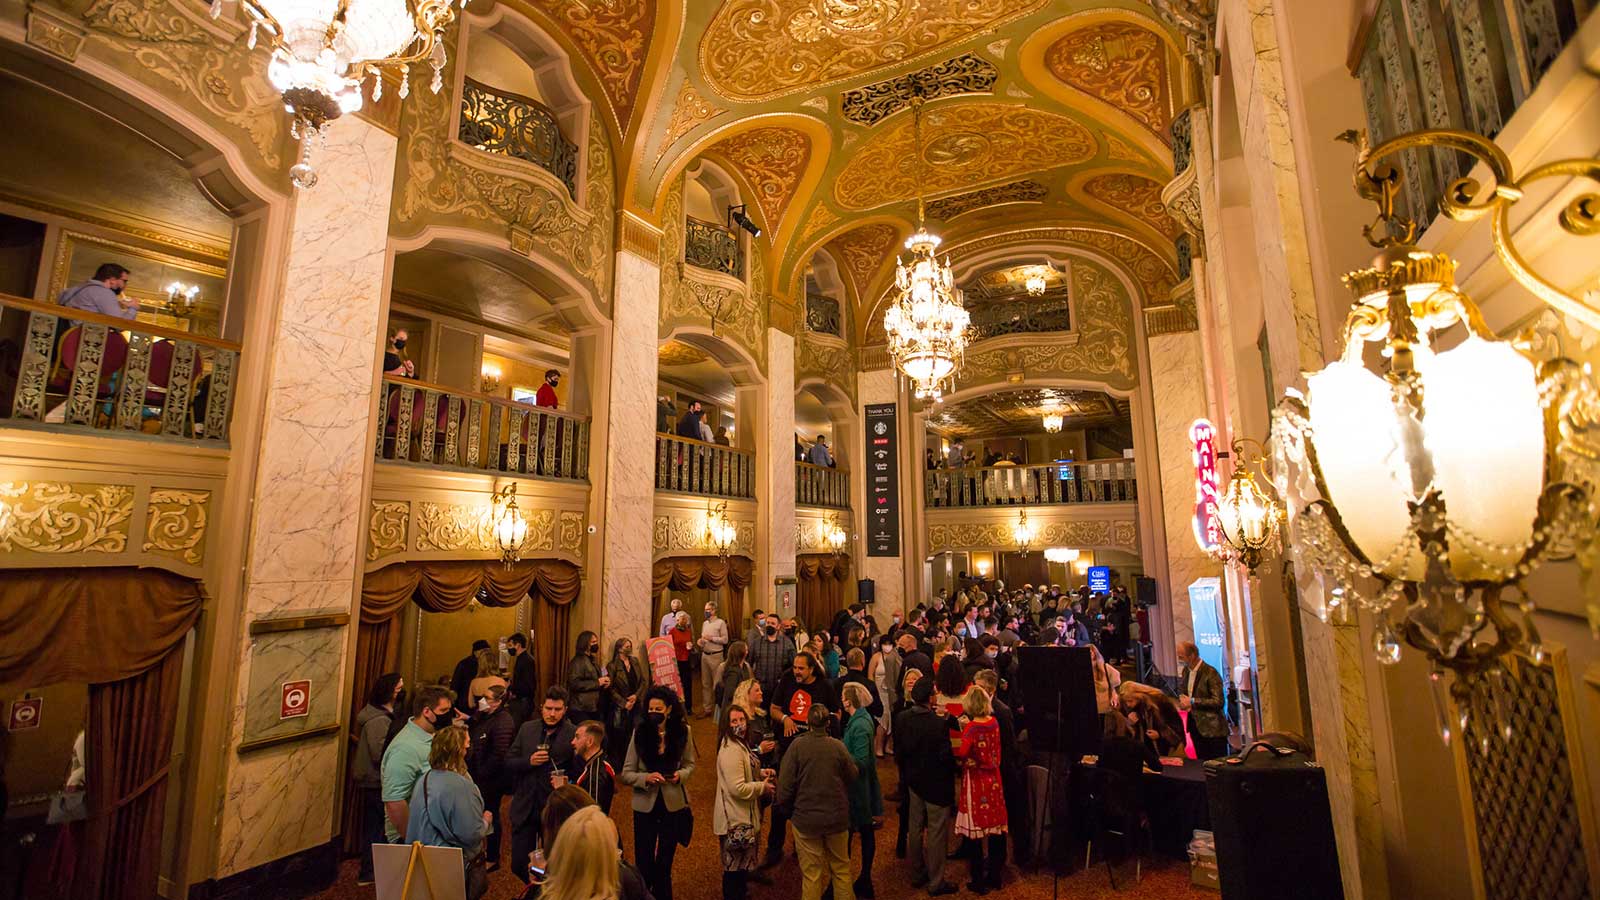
(102, 294)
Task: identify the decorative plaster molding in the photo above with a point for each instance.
(1113, 534)
(65, 517)
(386, 529)
(686, 533)
(54, 34)
(175, 524)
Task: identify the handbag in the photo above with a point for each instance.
(741, 837)
(67, 807)
(474, 870)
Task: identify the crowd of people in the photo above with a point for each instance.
(802, 722)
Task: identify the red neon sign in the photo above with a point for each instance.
(1207, 486)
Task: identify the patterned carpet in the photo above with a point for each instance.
(698, 873)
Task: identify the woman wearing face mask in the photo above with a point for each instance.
(736, 818)
(627, 685)
(682, 645)
(394, 361)
(759, 735)
(585, 681)
(884, 670)
(492, 731)
(660, 761)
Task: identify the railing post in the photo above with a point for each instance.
(86, 375)
(514, 428)
(430, 424)
(402, 427)
(474, 433)
(219, 397)
(175, 412)
(452, 431)
(491, 450)
(33, 375)
(135, 379)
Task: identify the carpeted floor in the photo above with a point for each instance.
(698, 872)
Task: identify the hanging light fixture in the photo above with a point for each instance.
(834, 536)
(721, 533)
(322, 51)
(927, 323)
(1037, 279)
(510, 528)
(1248, 517)
(1062, 555)
(1053, 422)
(1426, 488)
(1023, 532)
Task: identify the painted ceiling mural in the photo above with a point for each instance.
(756, 50)
(1121, 63)
(614, 37)
(772, 159)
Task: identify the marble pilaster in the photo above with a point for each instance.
(1177, 383)
(887, 573)
(630, 450)
(779, 502)
(311, 466)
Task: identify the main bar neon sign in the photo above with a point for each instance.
(1207, 486)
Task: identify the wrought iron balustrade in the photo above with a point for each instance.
(86, 371)
(1107, 481)
(696, 467)
(707, 245)
(1000, 319)
(822, 314)
(433, 425)
(821, 486)
(521, 127)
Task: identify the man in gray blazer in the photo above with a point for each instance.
(1200, 694)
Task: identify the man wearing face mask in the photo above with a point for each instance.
(546, 395)
(407, 757)
(713, 646)
(492, 731)
(524, 678)
(771, 656)
(102, 294)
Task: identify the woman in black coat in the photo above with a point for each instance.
(658, 767)
(625, 694)
(492, 729)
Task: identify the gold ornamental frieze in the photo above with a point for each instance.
(686, 533)
(386, 528)
(58, 517)
(1109, 534)
(175, 524)
(456, 528)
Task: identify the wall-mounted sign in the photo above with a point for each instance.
(883, 480)
(26, 713)
(296, 700)
(1207, 486)
(1100, 579)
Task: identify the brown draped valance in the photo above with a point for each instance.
(822, 578)
(449, 586)
(91, 625)
(685, 573)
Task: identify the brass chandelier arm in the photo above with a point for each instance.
(1466, 200)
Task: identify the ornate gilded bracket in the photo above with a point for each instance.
(1466, 200)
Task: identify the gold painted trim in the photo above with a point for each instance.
(275, 740)
(298, 623)
(1160, 320)
(54, 34)
(216, 252)
(640, 238)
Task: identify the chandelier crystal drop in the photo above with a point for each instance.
(323, 50)
(1035, 284)
(926, 324)
(1053, 422)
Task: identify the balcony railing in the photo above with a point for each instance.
(517, 126)
(696, 467)
(1020, 317)
(83, 370)
(1111, 481)
(821, 486)
(707, 245)
(433, 425)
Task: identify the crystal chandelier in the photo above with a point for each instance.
(510, 528)
(1023, 532)
(834, 536)
(1425, 489)
(1037, 279)
(1053, 422)
(927, 324)
(1062, 555)
(1246, 515)
(322, 50)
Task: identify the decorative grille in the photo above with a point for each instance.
(521, 127)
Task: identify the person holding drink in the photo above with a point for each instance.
(543, 747)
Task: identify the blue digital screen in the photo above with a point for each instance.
(1100, 579)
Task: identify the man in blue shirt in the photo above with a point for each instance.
(102, 294)
(819, 454)
(407, 757)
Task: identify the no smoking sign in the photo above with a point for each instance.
(26, 713)
(296, 700)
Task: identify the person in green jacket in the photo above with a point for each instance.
(866, 799)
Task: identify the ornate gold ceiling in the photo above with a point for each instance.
(1013, 413)
(1041, 115)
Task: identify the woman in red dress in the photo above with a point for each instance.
(980, 801)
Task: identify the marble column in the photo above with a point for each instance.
(1178, 386)
(887, 573)
(313, 462)
(630, 449)
(778, 515)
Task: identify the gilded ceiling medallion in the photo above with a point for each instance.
(759, 49)
(1024, 191)
(1120, 63)
(966, 144)
(1139, 197)
(614, 37)
(863, 251)
(772, 159)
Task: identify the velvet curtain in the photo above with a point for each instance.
(821, 578)
(121, 630)
(685, 573)
(444, 587)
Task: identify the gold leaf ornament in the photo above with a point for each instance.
(61, 517)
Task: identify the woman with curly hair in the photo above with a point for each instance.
(660, 761)
(447, 809)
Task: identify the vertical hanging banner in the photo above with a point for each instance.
(883, 480)
(1207, 486)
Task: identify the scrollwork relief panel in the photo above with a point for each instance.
(175, 524)
(65, 517)
(1111, 534)
(386, 528)
(686, 534)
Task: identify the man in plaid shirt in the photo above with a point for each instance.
(771, 657)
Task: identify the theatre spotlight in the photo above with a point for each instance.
(736, 216)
